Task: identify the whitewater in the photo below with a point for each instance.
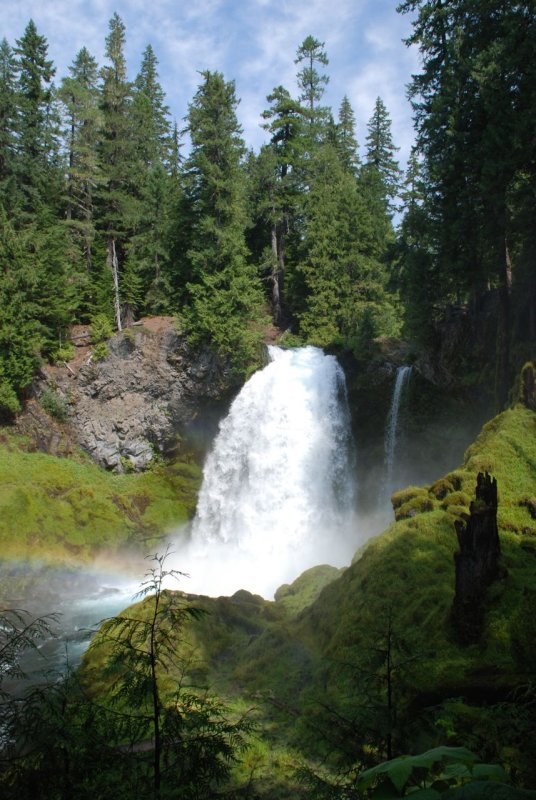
(278, 486)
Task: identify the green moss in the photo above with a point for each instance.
(59, 508)
(299, 660)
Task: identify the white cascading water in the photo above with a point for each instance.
(278, 487)
(391, 430)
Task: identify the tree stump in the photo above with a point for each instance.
(477, 560)
(528, 386)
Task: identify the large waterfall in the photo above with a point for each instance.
(278, 487)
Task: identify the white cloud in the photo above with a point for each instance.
(252, 41)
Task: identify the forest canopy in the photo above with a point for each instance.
(104, 219)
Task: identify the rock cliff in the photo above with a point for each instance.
(128, 406)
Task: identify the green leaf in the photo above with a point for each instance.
(490, 772)
(400, 773)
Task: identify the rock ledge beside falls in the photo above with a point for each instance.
(151, 385)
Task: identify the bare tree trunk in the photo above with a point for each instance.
(114, 266)
(274, 277)
(502, 376)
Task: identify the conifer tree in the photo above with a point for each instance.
(153, 142)
(80, 97)
(117, 157)
(343, 275)
(37, 129)
(380, 158)
(474, 109)
(8, 113)
(282, 167)
(345, 139)
(312, 83)
(226, 297)
(150, 113)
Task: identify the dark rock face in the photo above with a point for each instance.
(477, 560)
(151, 385)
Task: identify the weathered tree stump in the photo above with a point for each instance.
(477, 562)
(528, 386)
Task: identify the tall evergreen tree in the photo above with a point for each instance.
(380, 152)
(37, 128)
(344, 277)
(345, 139)
(150, 113)
(80, 96)
(312, 83)
(282, 170)
(117, 157)
(226, 297)
(153, 143)
(8, 114)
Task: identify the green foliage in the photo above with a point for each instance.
(427, 775)
(100, 351)
(472, 100)
(101, 329)
(139, 666)
(54, 404)
(344, 279)
(226, 297)
(148, 734)
(380, 153)
(9, 402)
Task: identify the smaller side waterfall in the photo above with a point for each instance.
(391, 431)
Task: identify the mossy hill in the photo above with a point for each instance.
(314, 662)
(68, 509)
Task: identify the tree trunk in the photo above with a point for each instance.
(477, 560)
(274, 277)
(114, 267)
(502, 374)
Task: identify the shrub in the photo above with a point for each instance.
(101, 328)
(100, 351)
(9, 402)
(54, 405)
(64, 353)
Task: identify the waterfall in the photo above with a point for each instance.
(278, 486)
(391, 431)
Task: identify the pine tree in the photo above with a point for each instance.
(311, 52)
(226, 297)
(474, 107)
(117, 158)
(150, 114)
(344, 278)
(380, 153)
(345, 139)
(37, 297)
(155, 149)
(282, 170)
(80, 97)
(39, 175)
(8, 114)
(148, 254)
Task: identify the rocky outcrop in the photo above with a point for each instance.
(151, 386)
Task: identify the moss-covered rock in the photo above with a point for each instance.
(68, 509)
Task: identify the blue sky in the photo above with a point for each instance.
(251, 41)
